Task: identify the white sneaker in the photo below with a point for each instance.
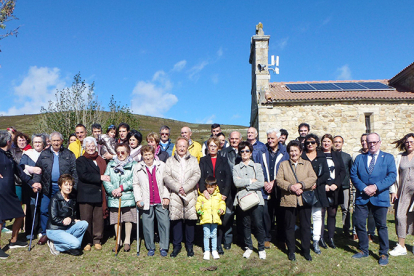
(39, 235)
(247, 253)
(215, 254)
(52, 248)
(398, 250)
(262, 255)
(207, 255)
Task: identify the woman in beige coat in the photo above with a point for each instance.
(293, 178)
(181, 176)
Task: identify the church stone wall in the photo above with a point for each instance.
(391, 120)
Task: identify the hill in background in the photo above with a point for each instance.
(28, 123)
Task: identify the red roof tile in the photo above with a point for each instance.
(280, 93)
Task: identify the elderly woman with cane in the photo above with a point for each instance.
(152, 197)
(121, 201)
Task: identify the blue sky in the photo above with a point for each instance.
(189, 60)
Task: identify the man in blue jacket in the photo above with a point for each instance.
(274, 153)
(372, 174)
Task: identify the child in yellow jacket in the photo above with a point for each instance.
(210, 211)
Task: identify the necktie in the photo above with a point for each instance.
(371, 164)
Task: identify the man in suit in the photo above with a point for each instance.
(372, 174)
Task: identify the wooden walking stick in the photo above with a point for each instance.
(117, 228)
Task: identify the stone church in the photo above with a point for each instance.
(346, 108)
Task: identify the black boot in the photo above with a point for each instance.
(316, 247)
(190, 252)
(331, 243)
(322, 243)
(176, 250)
(220, 250)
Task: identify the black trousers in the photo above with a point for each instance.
(304, 214)
(177, 232)
(254, 215)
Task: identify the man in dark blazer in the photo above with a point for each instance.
(347, 159)
(372, 174)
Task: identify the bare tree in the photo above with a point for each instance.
(6, 14)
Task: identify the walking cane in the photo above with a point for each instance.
(137, 231)
(117, 227)
(33, 223)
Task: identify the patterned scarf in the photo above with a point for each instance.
(119, 168)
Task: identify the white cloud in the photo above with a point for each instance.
(153, 97)
(195, 70)
(220, 52)
(282, 43)
(215, 78)
(37, 88)
(343, 73)
(327, 20)
(179, 66)
(207, 120)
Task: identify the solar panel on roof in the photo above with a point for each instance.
(325, 86)
(375, 85)
(337, 86)
(300, 87)
(350, 86)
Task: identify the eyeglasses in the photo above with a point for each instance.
(213, 146)
(310, 142)
(372, 143)
(245, 151)
(120, 152)
(165, 134)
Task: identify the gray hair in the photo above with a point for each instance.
(89, 140)
(54, 133)
(379, 137)
(274, 130)
(5, 137)
(165, 127)
(240, 135)
(40, 135)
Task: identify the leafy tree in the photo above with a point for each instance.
(6, 14)
(78, 104)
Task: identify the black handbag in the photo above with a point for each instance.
(308, 197)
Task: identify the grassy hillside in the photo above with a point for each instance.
(27, 124)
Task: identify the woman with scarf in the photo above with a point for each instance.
(154, 140)
(91, 195)
(28, 162)
(134, 139)
(120, 171)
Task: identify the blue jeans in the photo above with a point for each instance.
(210, 232)
(44, 207)
(70, 238)
(380, 218)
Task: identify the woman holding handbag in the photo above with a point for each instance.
(320, 167)
(249, 180)
(293, 178)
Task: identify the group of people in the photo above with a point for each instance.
(171, 186)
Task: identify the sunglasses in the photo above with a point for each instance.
(120, 152)
(245, 151)
(164, 133)
(310, 142)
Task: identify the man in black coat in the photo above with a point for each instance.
(54, 162)
(347, 159)
(10, 207)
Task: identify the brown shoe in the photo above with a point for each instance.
(127, 247)
(98, 246)
(355, 237)
(267, 244)
(42, 240)
(87, 247)
(370, 238)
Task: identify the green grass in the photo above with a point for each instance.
(201, 132)
(331, 262)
